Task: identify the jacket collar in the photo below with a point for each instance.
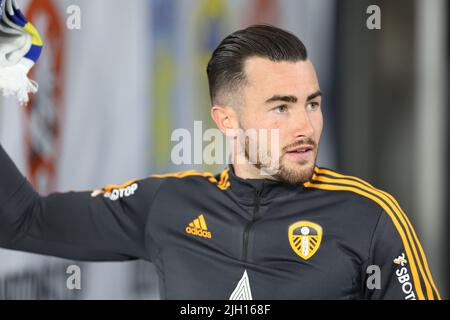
(265, 189)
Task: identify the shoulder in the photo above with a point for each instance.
(152, 184)
(353, 187)
(192, 177)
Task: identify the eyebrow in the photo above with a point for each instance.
(293, 99)
(316, 94)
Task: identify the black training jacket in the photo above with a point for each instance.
(223, 237)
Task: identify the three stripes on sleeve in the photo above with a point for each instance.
(326, 179)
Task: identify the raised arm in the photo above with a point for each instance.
(102, 225)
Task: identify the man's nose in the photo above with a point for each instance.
(301, 125)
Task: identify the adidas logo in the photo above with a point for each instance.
(199, 228)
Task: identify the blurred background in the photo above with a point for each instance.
(112, 92)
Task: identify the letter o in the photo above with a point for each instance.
(409, 287)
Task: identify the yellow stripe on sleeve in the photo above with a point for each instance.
(394, 220)
(403, 217)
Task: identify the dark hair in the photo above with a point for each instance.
(225, 68)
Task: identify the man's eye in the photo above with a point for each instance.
(281, 109)
(313, 106)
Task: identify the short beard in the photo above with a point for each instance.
(291, 176)
(283, 173)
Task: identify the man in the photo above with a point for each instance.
(257, 230)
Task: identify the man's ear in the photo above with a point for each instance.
(226, 119)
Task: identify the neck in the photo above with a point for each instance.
(249, 171)
(242, 168)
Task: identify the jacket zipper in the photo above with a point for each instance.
(250, 224)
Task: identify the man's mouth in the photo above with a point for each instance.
(301, 149)
(301, 153)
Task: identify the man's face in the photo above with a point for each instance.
(284, 96)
